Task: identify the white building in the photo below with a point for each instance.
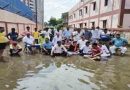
(103, 13)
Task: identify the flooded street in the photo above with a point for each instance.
(40, 72)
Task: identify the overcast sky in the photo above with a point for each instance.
(56, 7)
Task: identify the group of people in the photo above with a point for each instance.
(94, 43)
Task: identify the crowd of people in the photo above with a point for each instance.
(94, 43)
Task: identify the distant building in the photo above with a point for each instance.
(103, 13)
(32, 6)
(65, 18)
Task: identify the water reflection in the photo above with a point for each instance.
(73, 73)
(58, 78)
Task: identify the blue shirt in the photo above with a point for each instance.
(13, 36)
(119, 42)
(48, 45)
(67, 34)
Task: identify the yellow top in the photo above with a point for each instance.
(36, 35)
(41, 40)
(3, 39)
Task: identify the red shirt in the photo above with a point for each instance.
(96, 50)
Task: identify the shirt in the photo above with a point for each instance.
(96, 50)
(41, 40)
(87, 49)
(3, 39)
(56, 39)
(13, 36)
(104, 50)
(81, 43)
(73, 48)
(67, 34)
(47, 45)
(87, 34)
(119, 42)
(96, 33)
(58, 49)
(36, 35)
(28, 40)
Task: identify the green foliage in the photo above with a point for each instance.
(55, 22)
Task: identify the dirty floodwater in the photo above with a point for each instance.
(40, 72)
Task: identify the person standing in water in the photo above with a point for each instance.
(3, 42)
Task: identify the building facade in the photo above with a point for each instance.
(30, 4)
(40, 8)
(102, 13)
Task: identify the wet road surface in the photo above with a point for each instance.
(40, 72)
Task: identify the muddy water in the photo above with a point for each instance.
(40, 72)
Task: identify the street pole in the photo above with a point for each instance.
(36, 14)
(42, 14)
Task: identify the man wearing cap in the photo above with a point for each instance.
(119, 43)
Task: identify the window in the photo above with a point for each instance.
(94, 6)
(85, 24)
(105, 2)
(86, 9)
(80, 12)
(81, 25)
(74, 15)
(82, 0)
(93, 24)
(104, 23)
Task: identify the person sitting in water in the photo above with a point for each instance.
(15, 49)
(3, 42)
(119, 43)
(86, 50)
(29, 42)
(47, 46)
(41, 39)
(105, 53)
(59, 50)
(96, 52)
(67, 43)
(82, 43)
(73, 48)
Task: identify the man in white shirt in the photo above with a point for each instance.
(56, 39)
(82, 42)
(96, 33)
(86, 50)
(29, 42)
(47, 33)
(59, 50)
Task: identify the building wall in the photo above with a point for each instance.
(10, 20)
(111, 13)
(126, 21)
(127, 4)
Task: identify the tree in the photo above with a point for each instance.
(59, 21)
(52, 21)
